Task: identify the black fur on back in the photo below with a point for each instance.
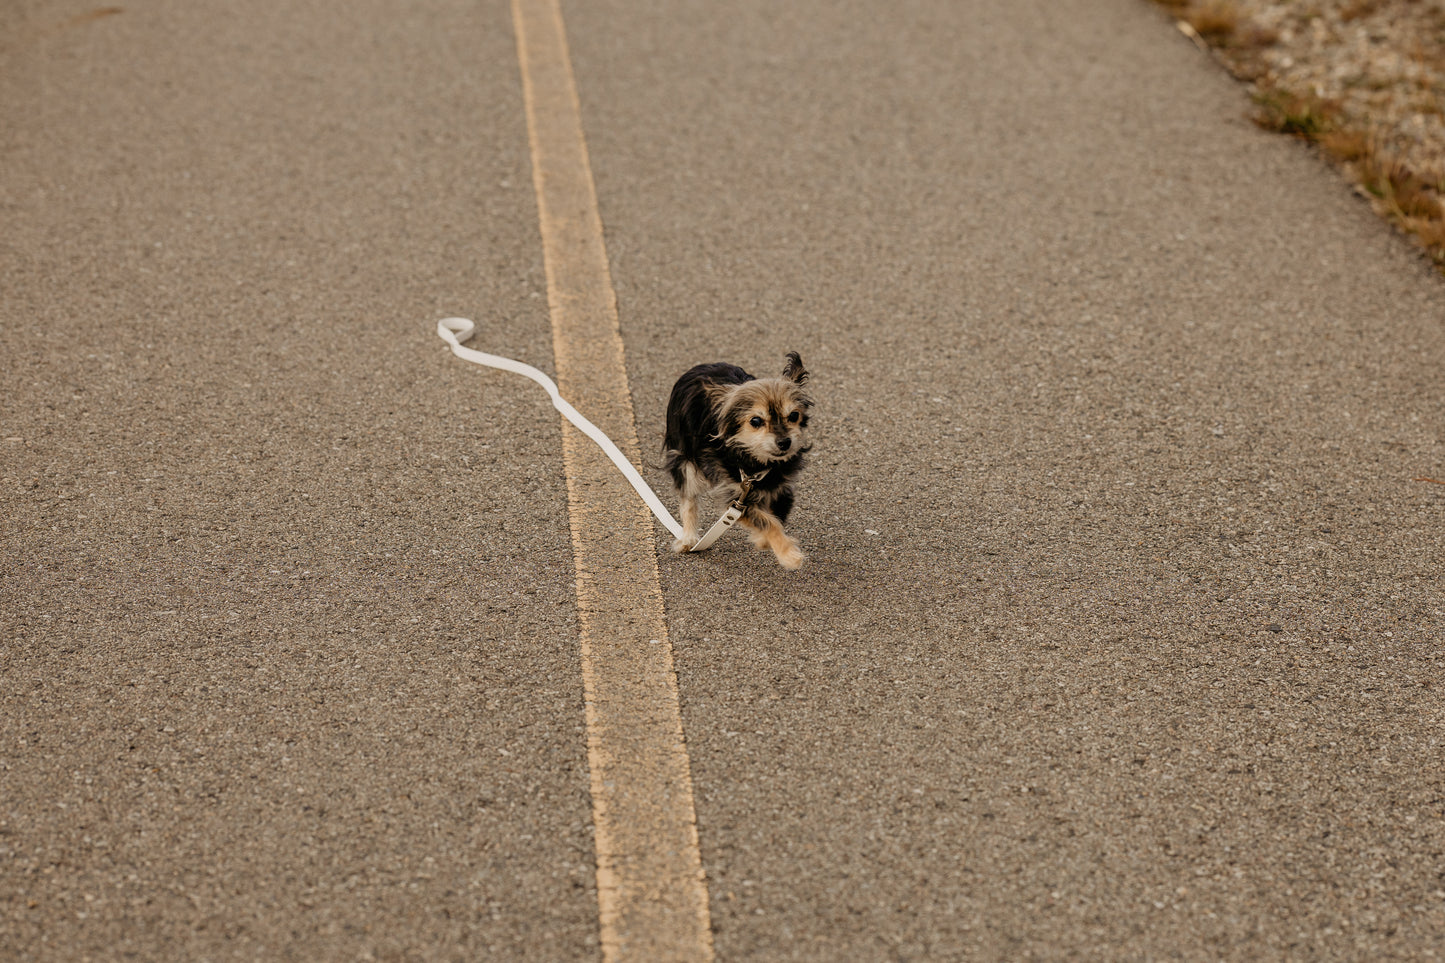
(691, 418)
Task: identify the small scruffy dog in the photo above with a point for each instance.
(725, 427)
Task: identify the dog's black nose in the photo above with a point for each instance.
(784, 444)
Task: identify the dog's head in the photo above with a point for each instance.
(766, 418)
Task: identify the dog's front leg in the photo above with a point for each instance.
(693, 485)
(687, 508)
(767, 532)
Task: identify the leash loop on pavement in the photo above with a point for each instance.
(456, 330)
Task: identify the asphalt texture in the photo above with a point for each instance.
(1120, 636)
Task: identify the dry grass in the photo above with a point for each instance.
(1299, 115)
(1413, 201)
(1346, 146)
(1223, 24)
(1432, 235)
(1214, 20)
(1360, 9)
(1406, 194)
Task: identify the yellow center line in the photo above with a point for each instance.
(651, 892)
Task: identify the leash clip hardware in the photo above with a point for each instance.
(734, 512)
(746, 483)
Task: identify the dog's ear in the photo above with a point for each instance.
(794, 371)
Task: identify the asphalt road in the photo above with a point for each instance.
(1121, 632)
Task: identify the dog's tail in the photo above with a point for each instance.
(672, 462)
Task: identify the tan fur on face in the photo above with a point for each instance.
(780, 410)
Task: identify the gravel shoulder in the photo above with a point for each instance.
(1361, 78)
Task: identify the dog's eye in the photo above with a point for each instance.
(755, 421)
(794, 417)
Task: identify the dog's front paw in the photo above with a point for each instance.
(790, 556)
(685, 544)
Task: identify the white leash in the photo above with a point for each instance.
(456, 330)
(734, 512)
